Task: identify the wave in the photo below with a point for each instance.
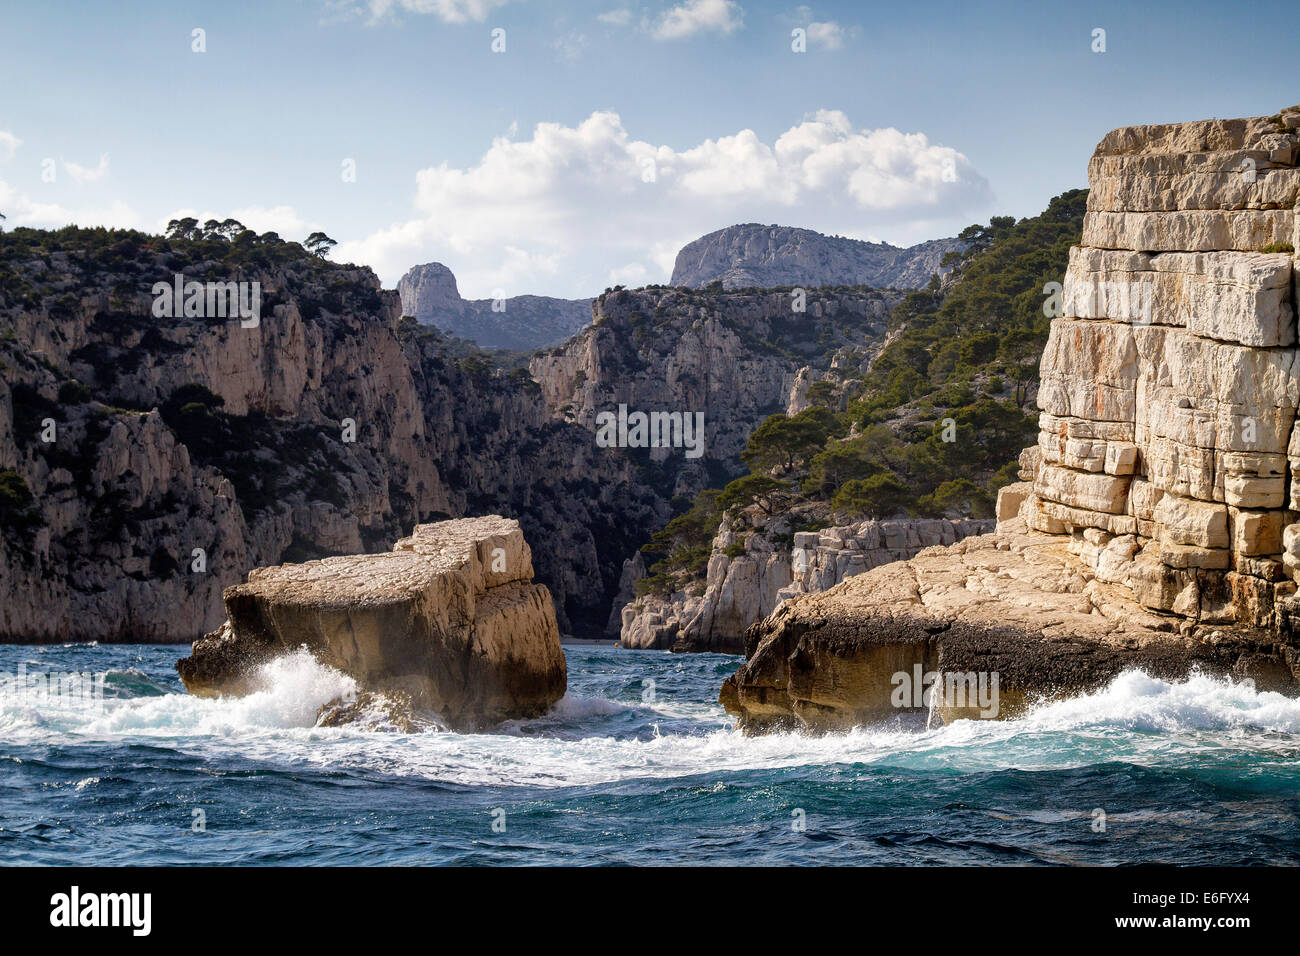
(591, 739)
(292, 689)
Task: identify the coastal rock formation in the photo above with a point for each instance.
(732, 356)
(181, 452)
(448, 622)
(1016, 610)
(1156, 519)
(1169, 382)
(520, 322)
(750, 573)
(752, 255)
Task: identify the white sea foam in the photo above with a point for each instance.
(591, 740)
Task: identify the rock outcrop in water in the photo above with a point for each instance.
(449, 622)
(752, 570)
(751, 255)
(1156, 526)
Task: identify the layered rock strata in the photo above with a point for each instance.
(1169, 383)
(1156, 523)
(449, 623)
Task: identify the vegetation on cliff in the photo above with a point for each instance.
(934, 426)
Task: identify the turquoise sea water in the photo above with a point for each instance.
(1204, 772)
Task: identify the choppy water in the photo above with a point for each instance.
(1195, 773)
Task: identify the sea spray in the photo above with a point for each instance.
(608, 776)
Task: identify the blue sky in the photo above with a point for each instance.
(660, 121)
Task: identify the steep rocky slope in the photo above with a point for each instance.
(751, 255)
(184, 451)
(1156, 524)
(519, 322)
(925, 436)
(759, 561)
(734, 357)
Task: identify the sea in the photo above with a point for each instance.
(637, 765)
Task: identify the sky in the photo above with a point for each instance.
(557, 148)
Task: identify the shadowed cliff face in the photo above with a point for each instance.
(735, 357)
(146, 463)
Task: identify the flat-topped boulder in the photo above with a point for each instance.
(449, 622)
(1016, 610)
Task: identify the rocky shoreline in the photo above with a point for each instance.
(1156, 524)
(1016, 604)
(753, 569)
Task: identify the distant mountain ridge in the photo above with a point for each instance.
(754, 255)
(748, 255)
(429, 294)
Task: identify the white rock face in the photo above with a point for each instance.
(742, 589)
(1170, 381)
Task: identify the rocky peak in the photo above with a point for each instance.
(522, 322)
(430, 289)
(751, 255)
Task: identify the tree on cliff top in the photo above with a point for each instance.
(319, 244)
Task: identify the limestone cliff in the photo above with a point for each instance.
(733, 356)
(147, 463)
(751, 255)
(448, 623)
(1169, 382)
(519, 322)
(1157, 522)
(757, 562)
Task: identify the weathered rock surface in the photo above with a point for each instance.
(449, 622)
(732, 356)
(521, 322)
(1155, 525)
(1169, 382)
(743, 588)
(330, 428)
(1017, 603)
(752, 255)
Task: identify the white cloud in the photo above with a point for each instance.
(9, 144)
(572, 207)
(570, 46)
(21, 210)
(616, 18)
(823, 34)
(87, 174)
(829, 35)
(698, 16)
(449, 11)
